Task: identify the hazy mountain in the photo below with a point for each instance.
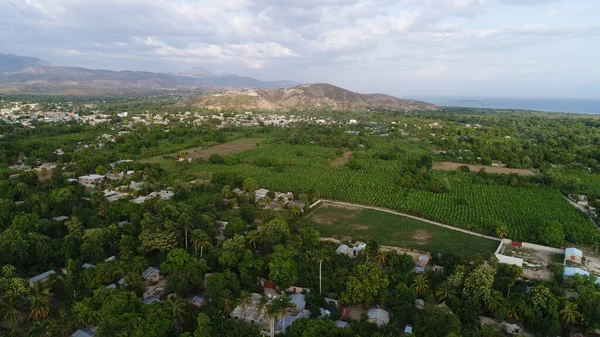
(10, 62)
(305, 97)
(29, 74)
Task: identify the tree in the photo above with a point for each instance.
(203, 329)
(569, 314)
(274, 232)
(490, 330)
(502, 230)
(506, 277)
(250, 185)
(252, 238)
(184, 272)
(226, 301)
(552, 234)
(478, 286)
(177, 307)
(366, 282)
(320, 257)
(235, 226)
(283, 269)
(11, 285)
(217, 283)
(434, 321)
(420, 283)
(10, 312)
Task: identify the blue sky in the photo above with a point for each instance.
(524, 48)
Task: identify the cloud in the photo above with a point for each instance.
(350, 41)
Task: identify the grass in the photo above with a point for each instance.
(229, 148)
(346, 223)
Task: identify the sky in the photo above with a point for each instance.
(493, 48)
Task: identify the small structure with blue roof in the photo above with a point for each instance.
(299, 300)
(83, 333)
(151, 300)
(572, 271)
(408, 329)
(198, 301)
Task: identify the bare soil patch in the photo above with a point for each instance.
(322, 218)
(360, 227)
(345, 207)
(451, 166)
(343, 160)
(223, 149)
(422, 237)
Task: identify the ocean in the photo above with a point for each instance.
(568, 105)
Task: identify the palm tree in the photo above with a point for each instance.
(296, 211)
(320, 257)
(513, 312)
(226, 301)
(9, 311)
(39, 329)
(272, 312)
(252, 238)
(245, 299)
(569, 314)
(178, 311)
(495, 301)
(40, 307)
(382, 257)
(138, 264)
(502, 230)
(186, 222)
(420, 283)
(285, 303)
(445, 291)
(200, 239)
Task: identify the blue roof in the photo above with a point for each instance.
(299, 301)
(41, 276)
(152, 300)
(83, 333)
(419, 269)
(198, 299)
(289, 320)
(573, 251)
(341, 324)
(571, 271)
(408, 329)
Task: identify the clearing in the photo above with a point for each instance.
(343, 160)
(235, 146)
(451, 166)
(388, 229)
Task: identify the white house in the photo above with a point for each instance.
(91, 179)
(261, 193)
(250, 313)
(41, 277)
(573, 254)
(378, 316)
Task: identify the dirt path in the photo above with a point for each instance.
(451, 166)
(343, 160)
(325, 201)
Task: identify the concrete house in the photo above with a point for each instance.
(198, 301)
(378, 316)
(250, 313)
(573, 255)
(83, 333)
(261, 193)
(151, 274)
(90, 180)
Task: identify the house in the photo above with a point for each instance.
(331, 301)
(41, 277)
(572, 271)
(121, 282)
(342, 249)
(90, 180)
(378, 316)
(151, 300)
(573, 255)
(408, 329)
(59, 152)
(61, 218)
(353, 121)
(111, 286)
(123, 223)
(110, 259)
(87, 265)
(250, 313)
(341, 324)
(582, 200)
(324, 313)
(299, 300)
(136, 185)
(198, 301)
(421, 264)
(288, 320)
(237, 191)
(151, 274)
(261, 193)
(438, 269)
(419, 303)
(297, 290)
(511, 329)
(83, 333)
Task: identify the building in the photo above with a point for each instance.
(288, 320)
(582, 200)
(90, 180)
(198, 301)
(111, 286)
(61, 218)
(350, 251)
(341, 324)
(572, 271)
(299, 300)
(87, 265)
(574, 255)
(151, 300)
(250, 313)
(83, 333)
(378, 316)
(408, 329)
(151, 274)
(421, 264)
(509, 260)
(261, 193)
(41, 277)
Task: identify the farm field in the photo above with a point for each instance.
(235, 146)
(350, 223)
(451, 166)
(473, 206)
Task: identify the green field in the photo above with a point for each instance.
(347, 223)
(473, 206)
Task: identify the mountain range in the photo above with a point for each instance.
(30, 74)
(316, 96)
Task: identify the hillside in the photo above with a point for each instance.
(306, 97)
(29, 74)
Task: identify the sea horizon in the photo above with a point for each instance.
(565, 105)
